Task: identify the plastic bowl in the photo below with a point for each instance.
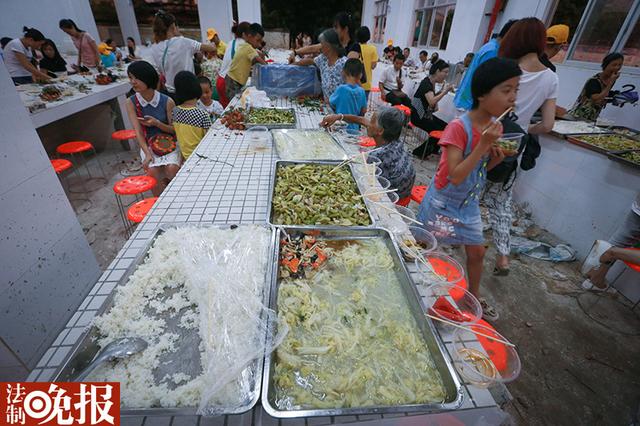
(393, 197)
(418, 240)
(406, 213)
(361, 169)
(397, 224)
(379, 183)
(510, 142)
(373, 159)
(350, 136)
(373, 195)
(444, 269)
(452, 303)
(494, 361)
(258, 135)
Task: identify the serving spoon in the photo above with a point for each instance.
(116, 350)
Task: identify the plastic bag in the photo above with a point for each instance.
(542, 251)
(287, 80)
(593, 259)
(226, 273)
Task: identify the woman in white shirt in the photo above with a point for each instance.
(172, 52)
(17, 57)
(538, 89)
(133, 53)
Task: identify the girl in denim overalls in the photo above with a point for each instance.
(451, 207)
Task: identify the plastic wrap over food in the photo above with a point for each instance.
(286, 80)
(228, 280)
(198, 299)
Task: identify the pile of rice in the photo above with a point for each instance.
(208, 279)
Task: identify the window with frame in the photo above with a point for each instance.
(567, 12)
(432, 23)
(380, 20)
(607, 26)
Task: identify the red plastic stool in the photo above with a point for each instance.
(404, 202)
(404, 109)
(122, 136)
(375, 89)
(418, 193)
(131, 186)
(60, 165)
(139, 210)
(633, 266)
(366, 141)
(436, 134)
(79, 148)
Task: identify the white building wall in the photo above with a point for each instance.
(465, 35)
(216, 14)
(468, 29)
(127, 20)
(47, 266)
(44, 15)
(249, 10)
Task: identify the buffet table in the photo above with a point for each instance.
(207, 190)
(82, 101)
(69, 105)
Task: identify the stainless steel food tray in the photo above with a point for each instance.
(310, 131)
(86, 348)
(436, 346)
(293, 125)
(635, 134)
(272, 189)
(623, 160)
(576, 140)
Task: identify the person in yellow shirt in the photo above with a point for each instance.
(190, 122)
(213, 37)
(369, 56)
(246, 55)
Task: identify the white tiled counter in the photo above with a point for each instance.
(67, 106)
(227, 180)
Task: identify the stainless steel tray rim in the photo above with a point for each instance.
(455, 403)
(108, 303)
(272, 189)
(333, 138)
(276, 125)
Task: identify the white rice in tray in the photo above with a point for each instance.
(203, 280)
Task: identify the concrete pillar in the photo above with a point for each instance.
(216, 14)
(127, 20)
(47, 266)
(249, 10)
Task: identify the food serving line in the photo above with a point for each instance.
(228, 180)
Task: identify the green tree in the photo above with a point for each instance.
(307, 15)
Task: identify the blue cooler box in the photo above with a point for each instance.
(286, 80)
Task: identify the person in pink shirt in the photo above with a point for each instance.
(88, 55)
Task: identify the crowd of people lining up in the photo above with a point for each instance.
(188, 83)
